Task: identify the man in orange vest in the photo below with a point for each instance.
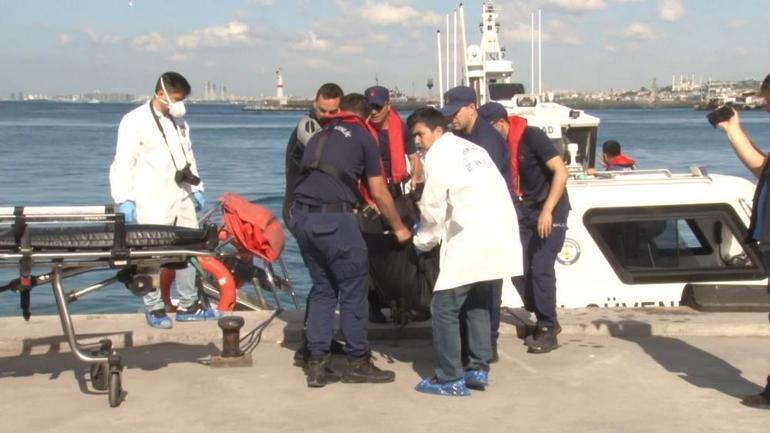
(395, 145)
(541, 179)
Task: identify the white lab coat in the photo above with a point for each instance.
(143, 169)
(467, 207)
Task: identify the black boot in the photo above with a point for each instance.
(543, 340)
(363, 370)
(319, 373)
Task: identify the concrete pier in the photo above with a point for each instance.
(631, 370)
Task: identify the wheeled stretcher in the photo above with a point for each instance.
(69, 241)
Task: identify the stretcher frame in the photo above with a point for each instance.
(105, 362)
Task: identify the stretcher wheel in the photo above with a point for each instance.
(116, 390)
(99, 376)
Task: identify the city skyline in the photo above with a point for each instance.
(58, 47)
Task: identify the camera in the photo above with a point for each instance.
(186, 175)
(721, 114)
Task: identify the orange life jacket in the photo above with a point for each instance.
(516, 127)
(396, 147)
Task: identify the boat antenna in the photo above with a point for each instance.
(454, 37)
(464, 45)
(532, 52)
(447, 51)
(440, 72)
(539, 53)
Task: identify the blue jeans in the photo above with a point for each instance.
(445, 308)
(185, 287)
(335, 255)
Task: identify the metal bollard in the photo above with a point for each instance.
(231, 336)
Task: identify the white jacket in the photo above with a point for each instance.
(467, 207)
(143, 169)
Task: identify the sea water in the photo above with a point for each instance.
(59, 154)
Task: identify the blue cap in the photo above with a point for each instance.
(456, 98)
(492, 111)
(377, 95)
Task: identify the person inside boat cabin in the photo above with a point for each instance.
(324, 223)
(543, 210)
(466, 207)
(759, 225)
(460, 108)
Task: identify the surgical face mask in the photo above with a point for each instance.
(175, 109)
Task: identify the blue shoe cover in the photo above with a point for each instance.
(456, 388)
(196, 313)
(158, 319)
(477, 379)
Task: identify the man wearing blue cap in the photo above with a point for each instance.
(460, 109)
(543, 211)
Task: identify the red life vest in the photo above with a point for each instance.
(620, 162)
(396, 147)
(516, 127)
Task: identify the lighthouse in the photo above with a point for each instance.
(279, 96)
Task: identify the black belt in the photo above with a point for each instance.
(325, 208)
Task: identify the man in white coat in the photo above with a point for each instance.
(465, 207)
(154, 180)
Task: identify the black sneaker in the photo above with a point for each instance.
(543, 340)
(363, 370)
(319, 373)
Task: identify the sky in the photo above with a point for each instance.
(56, 47)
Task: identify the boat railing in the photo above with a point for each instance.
(696, 173)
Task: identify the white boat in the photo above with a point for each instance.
(635, 238)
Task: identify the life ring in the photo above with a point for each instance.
(222, 276)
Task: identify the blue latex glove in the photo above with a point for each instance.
(128, 208)
(200, 202)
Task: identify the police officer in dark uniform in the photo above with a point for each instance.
(326, 104)
(327, 231)
(542, 211)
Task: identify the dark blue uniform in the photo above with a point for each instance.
(329, 238)
(535, 178)
(484, 135)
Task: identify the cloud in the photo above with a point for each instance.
(316, 64)
(388, 13)
(611, 48)
(99, 38)
(232, 33)
(576, 6)
(737, 24)
(311, 42)
(152, 43)
(641, 31)
(670, 10)
(262, 2)
(554, 30)
(64, 39)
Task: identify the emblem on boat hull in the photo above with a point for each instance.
(570, 252)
